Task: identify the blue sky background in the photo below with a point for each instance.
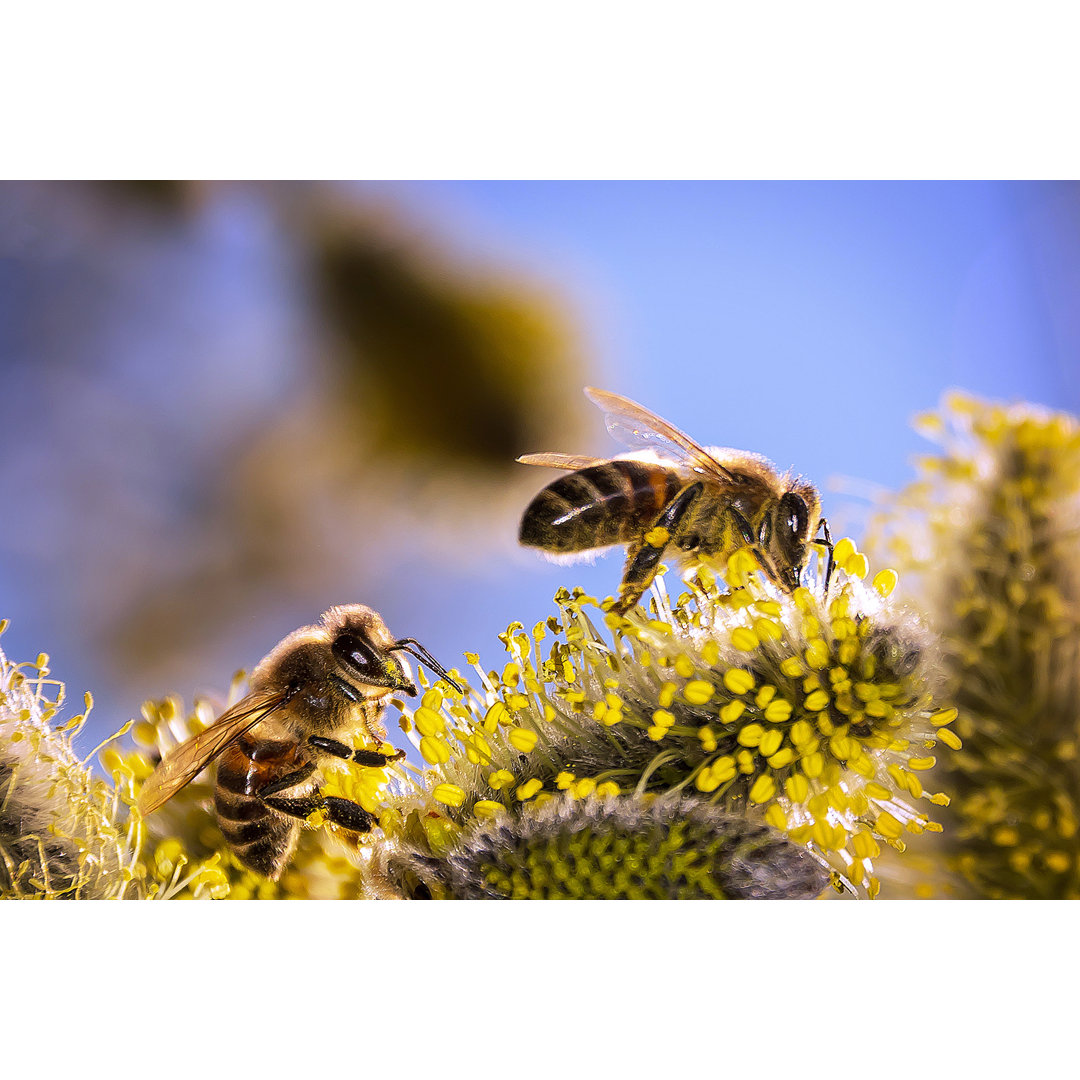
(806, 321)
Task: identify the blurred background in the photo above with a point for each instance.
(226, 406)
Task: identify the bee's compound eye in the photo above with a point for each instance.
(794, 515)
(355, 654)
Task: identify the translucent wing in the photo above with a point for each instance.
(634, 426)
(571, 462)
(181, 765)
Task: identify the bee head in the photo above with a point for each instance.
(364, 648)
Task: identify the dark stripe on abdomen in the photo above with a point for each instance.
(604, 504)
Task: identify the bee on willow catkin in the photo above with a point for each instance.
(672, 494)
(318, 684)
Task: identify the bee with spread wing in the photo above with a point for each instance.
(671, 495)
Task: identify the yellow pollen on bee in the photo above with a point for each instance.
(450, 794)
(657, 537)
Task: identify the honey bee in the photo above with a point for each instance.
(320, 683)
(672, 494)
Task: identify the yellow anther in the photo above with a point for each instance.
(745, 760)
(667, 695)
(763, 789)
(583, 788)
(817, 654)
(523, 739)
(732, 711)
(775, 817)
(843, 550)
(801, 733)
(684, 666)
(778, 711)
(857, 566)
(813, 764)
(888, 826)
(710, 653)
(744, 639)
(564, 780)
(764, 696)
(434, 751)
(494, 716)
(770, 742)
(816, 701)
(782, 758)
(792, 667)
(698, 692)
(943, 717)
(428, 722)
(527, 790)
(885, 581)
(607, 789)
(485, 809)
(750, 735)
(768, 629)
(738, 681)
(655, 732)
(740, 565)
(797, 788)
(950, 738)
(708, 739)
(500, 779)
(921, 764)
(663, 718)
(450, 794)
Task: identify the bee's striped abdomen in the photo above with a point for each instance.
(612, 503)
(261, 839)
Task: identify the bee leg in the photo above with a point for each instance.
(371, 758)
(643, 558)
(286, 782)
(343, 812)
(823, 526)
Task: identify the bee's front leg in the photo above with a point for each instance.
(643, 557)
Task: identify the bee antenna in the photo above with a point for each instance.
(423, 655)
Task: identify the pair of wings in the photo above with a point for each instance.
(636, 427)
(181, 765)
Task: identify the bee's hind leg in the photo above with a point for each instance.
(643, 557)
(343, 812)
(370, 758)
(823, 526)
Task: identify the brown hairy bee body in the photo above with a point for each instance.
(699, 503)
(315, 688)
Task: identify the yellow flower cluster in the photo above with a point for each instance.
(990, 533)
(808, 712)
